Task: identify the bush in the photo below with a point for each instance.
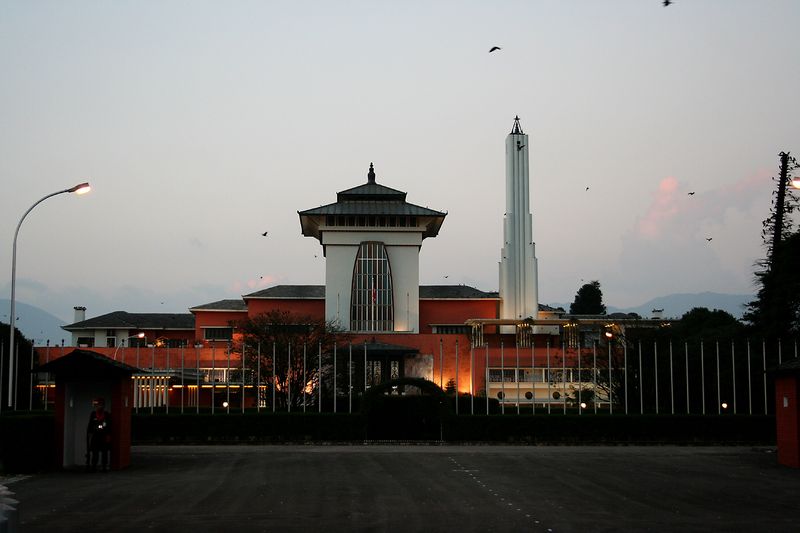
(27, 442)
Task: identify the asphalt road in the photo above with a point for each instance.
(420, 488)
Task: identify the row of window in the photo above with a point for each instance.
(111, 342)
(388, 221)
(539, 375)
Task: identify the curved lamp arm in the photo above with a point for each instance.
(81, 188)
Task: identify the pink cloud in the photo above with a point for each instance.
(673, 208)
(661, 211)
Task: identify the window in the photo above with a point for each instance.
(373, 372)
(111, 342)
(532, 375)
(372, 305)
(86, 342)
(136, 342)
(218, 334)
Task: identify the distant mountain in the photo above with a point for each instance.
(675, 305)
(36, 324)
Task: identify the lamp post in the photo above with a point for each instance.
(139, 335)
(81, 188)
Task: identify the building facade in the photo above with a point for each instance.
(504, 345)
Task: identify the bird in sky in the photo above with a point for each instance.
(709, 239)
(446, 277)
(691, 193)
(494, 49)
(667, 3)
(587, 188)
(264, 234)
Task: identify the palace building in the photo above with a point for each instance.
(503, 345)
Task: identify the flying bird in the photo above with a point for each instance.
(494, 49)
(446, 277)
(587, 188)
(691, 193)
(667, 3)
(709, 239)
(264, 234)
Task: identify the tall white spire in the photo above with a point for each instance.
(518, 273)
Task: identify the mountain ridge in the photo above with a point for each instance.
(675, 305)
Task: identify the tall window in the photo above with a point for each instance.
(372, 306)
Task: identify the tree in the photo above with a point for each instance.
(287, 335)
(775, 312)
(24, 349)
(702, 323)
(588, 300)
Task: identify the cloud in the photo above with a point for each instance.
(251, 285)
(666, 249)
(661, 212)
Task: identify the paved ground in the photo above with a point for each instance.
(420, 488)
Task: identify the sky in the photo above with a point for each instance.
(201, 125)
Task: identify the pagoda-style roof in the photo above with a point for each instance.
(372, 200)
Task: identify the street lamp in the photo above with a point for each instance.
(81, 188)
(139, 335)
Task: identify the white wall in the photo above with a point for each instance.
(402, 247)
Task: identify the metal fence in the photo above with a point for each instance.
(629, 376)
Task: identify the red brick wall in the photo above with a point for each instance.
(453, 312)
(219, 319)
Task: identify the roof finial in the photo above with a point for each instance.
(517, 128)
(371, 174)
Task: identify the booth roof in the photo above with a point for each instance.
(86, 363)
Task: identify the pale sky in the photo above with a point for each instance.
(201, 125)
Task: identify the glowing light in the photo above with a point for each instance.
(225, 404)
(724, 405)
(81, 188)
(583, 405)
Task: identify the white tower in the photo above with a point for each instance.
(518, 275)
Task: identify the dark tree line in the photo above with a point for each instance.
(775, 312)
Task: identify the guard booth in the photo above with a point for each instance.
(80, 377)
(787, 413)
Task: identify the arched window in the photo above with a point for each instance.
(372, 303)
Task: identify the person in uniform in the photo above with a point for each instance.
(98, 435)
